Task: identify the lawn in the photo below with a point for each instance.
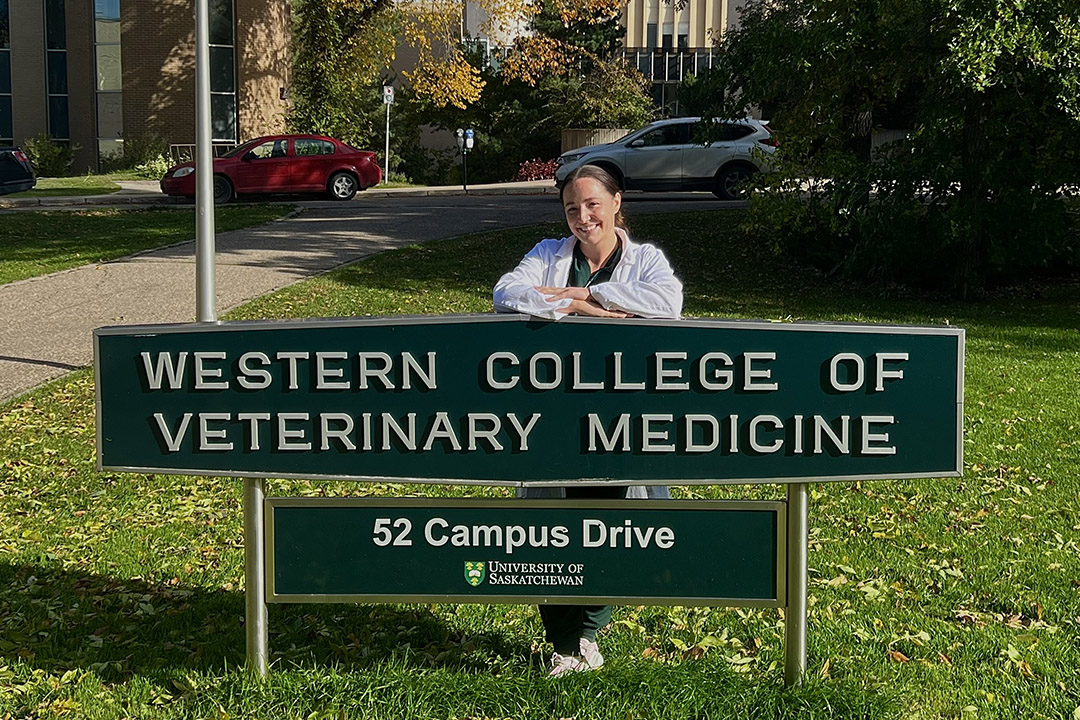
(38, 243)
(121, 597)
(75, 185)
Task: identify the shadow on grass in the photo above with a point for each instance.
(58, 620)
(728, 273)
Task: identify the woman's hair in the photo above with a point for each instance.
(603, 177)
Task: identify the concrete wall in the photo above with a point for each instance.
(262, 51)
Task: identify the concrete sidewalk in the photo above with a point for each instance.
(148, 192)
(49, 320)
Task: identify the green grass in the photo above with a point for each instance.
(77, 185)
(120, 595)
(38, 243)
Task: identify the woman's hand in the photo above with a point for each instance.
(581, 302)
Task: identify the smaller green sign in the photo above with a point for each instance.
(569, 552)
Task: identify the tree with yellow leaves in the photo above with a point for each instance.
(342, 53)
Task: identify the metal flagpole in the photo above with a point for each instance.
(206, 311)
(798, 507)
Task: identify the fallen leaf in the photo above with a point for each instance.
(898, 656)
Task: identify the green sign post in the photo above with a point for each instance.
(506, 400)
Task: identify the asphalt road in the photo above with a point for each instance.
(49, 320)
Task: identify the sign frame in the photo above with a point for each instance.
(384, 321)
(776, 506)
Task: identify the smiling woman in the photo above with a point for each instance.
(597, 271)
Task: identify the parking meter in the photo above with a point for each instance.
(459, 135)
(468, 139)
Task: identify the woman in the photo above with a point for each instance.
(596, 271)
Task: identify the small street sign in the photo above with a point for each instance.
(388, 94)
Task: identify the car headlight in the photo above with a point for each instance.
(183, 172)
(565, 159)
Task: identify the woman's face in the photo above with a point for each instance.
(590, 210)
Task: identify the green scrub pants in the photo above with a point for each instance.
(565, 625)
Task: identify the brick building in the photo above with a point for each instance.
(98, 72)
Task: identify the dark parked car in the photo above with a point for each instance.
(16, 174)
(283, 164)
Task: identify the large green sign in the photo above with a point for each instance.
(508, 400)
(703, 553)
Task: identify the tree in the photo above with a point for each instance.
(339, 47)
(343, 48)
(611, 94)
(987, 91)
(590, 26)
(571, 58)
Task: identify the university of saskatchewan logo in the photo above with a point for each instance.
(475, 572)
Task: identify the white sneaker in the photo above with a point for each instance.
(588, 658)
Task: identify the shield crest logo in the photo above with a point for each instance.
(475, 572)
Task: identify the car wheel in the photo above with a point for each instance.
(223, 191)
(731, 182)
(342, 186)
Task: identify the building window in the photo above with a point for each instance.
(109, 94)
(56, 72)
(222, 72)
(6, 134)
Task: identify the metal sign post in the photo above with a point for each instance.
(795, 613)
(256, 624)
(388, 100)
(206, 312)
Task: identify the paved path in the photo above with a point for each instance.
(48, 321)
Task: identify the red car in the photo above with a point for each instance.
(282, 164)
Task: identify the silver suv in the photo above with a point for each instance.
(663, 156)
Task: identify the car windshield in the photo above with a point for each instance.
(241, 149)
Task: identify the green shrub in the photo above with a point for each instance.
(49, 157)
(154, 168)
(611, 95)
(139, 151)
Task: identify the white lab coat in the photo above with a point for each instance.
(642, 284)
